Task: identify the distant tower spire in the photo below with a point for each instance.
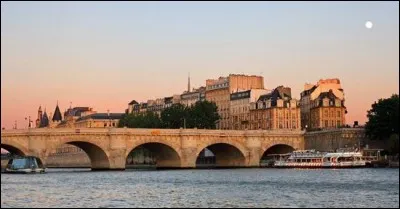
(189, 82)
(57, 114)
(39, 117)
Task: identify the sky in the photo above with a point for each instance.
(105, 54)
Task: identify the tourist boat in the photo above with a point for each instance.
(28, 164)
(315, 159)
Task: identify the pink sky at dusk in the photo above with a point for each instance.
(107, 55)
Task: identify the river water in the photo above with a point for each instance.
(203, 188)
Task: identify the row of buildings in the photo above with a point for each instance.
(244, 103)
(77, 117)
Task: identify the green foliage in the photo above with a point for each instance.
(394, 144)
(201, 115)
(141, 120)
(174, 116)
(383, 118)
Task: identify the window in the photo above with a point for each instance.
(326, 123)
(338, 113)
(338, 123)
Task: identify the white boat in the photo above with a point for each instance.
(315, 159)
(27, 164)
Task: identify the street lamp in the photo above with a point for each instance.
(184, 123)
(109, 119)
(29, 121)
(168, 119)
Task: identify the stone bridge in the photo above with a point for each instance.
(108, 148)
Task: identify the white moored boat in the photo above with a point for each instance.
(28, 164)
(315, 159)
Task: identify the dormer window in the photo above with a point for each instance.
(325, 102)
(337, 103)
(280, 103)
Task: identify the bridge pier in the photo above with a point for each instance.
(188, 158)
(253, 158)
(116, 160)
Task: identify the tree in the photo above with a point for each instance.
(394, 144)
(140, 120)
(203, 114)
(174, 116)
(383, 118)
(123, 121)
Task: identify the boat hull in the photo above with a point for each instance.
(25, 171)
(319, 167)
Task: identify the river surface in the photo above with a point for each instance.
(203, 188)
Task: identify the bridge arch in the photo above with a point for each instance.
(274, 149)
(14, 147)
(97, 153)
(227, 153)
(167, 154)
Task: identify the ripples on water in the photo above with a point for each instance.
(203, 188)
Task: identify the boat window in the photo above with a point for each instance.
(19, 164)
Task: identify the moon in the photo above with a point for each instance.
(368, 24)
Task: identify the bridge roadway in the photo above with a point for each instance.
(108, 148)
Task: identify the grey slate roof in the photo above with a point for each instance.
(45, 120)
(133, 102)
(57, 114)
(76, 111)
(102, 116)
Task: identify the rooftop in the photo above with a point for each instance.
(102, 116)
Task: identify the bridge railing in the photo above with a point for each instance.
(140, 131)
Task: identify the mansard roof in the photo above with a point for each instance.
(133, 102)
(330, 95)
(76, 111)
(102, 116)
(309, 91)
(279, 92)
